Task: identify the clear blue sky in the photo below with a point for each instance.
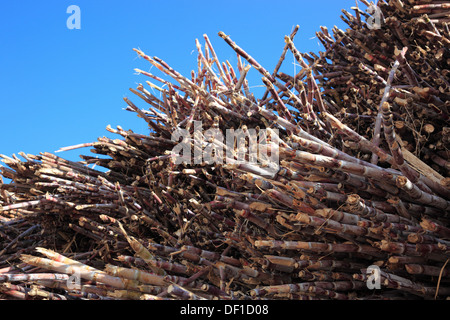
(61, 87)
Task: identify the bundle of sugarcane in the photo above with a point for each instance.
(322, 210)
(403, 60)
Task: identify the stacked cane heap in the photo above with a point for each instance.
(360, 197)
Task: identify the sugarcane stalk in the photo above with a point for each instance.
(32, 277)
(316, 246)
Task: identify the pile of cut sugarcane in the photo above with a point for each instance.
(355, 207)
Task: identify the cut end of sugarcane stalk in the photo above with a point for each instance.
(47, 252)
(428, 225)
(28, 259)
(222, 35)
(401, 181)
(139, 52)
(353, 199)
